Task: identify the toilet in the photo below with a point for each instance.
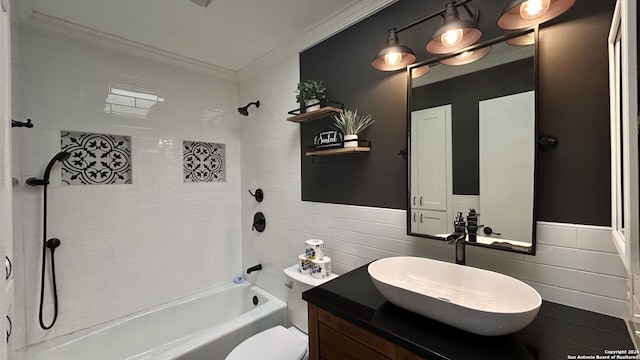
(280, 343)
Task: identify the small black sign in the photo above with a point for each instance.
(328, 139)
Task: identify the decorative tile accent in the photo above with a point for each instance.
(203, 162)
(96, 159)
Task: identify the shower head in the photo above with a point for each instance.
(244, 110)
(61, 156)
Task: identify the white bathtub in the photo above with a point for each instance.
(205, 326)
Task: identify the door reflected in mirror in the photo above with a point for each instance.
(472, 143)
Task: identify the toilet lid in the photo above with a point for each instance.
(277, 343)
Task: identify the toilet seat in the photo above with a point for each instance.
(276, 343)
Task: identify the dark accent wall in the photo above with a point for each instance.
(464, 94)
(573, 181)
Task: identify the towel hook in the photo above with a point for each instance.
(259, 195)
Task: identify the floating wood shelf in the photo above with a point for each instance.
(316, 114)
(339, 151)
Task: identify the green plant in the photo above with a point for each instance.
(349, 123)
(310, 89)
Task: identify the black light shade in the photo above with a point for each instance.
(540, 11)
(419, 71)
(467, 57)
(394, 56)
(524, 40)
(466, 33)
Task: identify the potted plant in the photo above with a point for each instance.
(351, 125)
(309, 94)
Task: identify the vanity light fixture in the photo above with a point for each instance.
(520, 14)
(467, 57)
(395, 56)
(454, 34)
(524, 40)
(420, 71)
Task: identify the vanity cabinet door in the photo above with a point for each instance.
(429, 152)
(333, 338)
(431, 172)
(429, 222)
(336, 346)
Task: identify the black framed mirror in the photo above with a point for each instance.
(472, 142)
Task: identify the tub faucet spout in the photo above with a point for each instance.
(254, 268)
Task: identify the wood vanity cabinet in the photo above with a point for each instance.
(333, 338)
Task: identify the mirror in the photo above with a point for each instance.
(472, 143)
(623, 97)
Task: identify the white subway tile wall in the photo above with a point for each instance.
(125, 247)
(6, 176)
(575, 265)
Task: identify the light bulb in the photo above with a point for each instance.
(452, 38)
(393, 58)
(464, 55)
(532, 9)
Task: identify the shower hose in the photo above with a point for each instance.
(51, 244)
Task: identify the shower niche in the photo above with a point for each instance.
(203, 162)
(95, 159)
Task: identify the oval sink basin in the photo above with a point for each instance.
(479, 301)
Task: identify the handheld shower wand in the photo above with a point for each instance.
(61, 156)
(50, 244)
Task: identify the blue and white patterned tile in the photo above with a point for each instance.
(203, 162)
(96, 159)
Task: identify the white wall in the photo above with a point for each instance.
(574, 265)
(6, 222)
(124, 247)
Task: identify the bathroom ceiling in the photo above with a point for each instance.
(230, 34)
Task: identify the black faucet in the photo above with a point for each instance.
(458, 238)
(472, 225)
(254, 268)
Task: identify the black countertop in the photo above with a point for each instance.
(558, 332)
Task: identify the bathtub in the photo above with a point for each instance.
(204, 326)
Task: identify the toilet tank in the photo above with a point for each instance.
(296, 307)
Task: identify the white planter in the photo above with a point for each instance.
(309, 105)
(350, 141)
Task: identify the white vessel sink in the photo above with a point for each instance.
(479, 301)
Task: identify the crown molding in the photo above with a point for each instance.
(350, 14)
(342, 19)
(59, 26)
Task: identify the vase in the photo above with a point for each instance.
(350, 141)
(312, 104)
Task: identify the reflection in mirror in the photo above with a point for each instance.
(472, 143)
